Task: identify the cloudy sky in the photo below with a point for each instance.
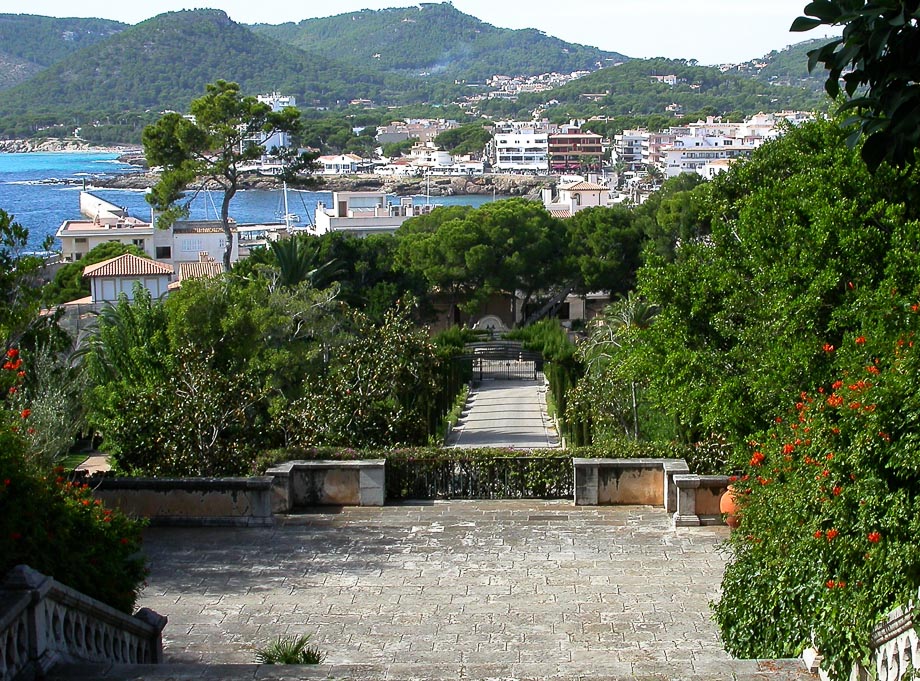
(711, 31)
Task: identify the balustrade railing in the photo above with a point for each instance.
(896, 645)
(43, 622)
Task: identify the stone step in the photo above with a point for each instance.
(735, 670)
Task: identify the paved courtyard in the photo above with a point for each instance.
(504, 589)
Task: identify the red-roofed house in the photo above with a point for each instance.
(110, 278)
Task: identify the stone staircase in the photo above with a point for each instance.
(736, 670)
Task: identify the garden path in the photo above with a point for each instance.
(506, 413)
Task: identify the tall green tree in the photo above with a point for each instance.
(211, 147)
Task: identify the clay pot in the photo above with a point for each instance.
(729, 508)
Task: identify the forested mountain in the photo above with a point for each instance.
(30, 43)
(438, 40)
(631, 89)
(166, 61)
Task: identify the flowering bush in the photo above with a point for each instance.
(54, 524)
(830, 511)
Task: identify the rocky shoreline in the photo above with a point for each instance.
(500, 185)
(57, 145)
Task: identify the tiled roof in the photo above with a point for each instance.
(585, 187)
(200, 270)
(560, 212)
(127, 265)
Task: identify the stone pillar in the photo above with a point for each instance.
(586, 481)
(686, 515)
(671, 468)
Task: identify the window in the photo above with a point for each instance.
(163, 253)
(192, 245)
(80, 240)
(138, 242)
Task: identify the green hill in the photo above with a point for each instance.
(788, 66)
(30, 43)
(166, 61)
(630, 89)
(435, 39)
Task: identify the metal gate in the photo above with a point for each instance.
(503, 360)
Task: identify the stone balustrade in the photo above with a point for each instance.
(698, 499)
(43, 623)
(896, 645)
(191, 501)
(299, 484)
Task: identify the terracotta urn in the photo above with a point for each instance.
(729, 508)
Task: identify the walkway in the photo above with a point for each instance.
(451, 590)
(506, 413)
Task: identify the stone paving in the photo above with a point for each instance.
(506, 413)
(470, 589)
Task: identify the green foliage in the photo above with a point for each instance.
(468, 254)
(795, 242)
(68, 283)
(877, 59)
(605, 244)
(19, 288)
(436, 40)
(378, 389)
(56, 527)
(829, 506)
(397, 149)
(290, 650)
(467, 139)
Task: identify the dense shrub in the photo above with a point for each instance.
(830, 510)
(55, 525)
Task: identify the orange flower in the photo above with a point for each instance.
(757, 459)
(860, 340)
(831, 534)
(788, 448)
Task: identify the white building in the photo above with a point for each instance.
(575, 196)
(690, 154)
(364, 213)
(183, 241)
(341, 164)
(521, 150)
(111, 278)
(627, 149)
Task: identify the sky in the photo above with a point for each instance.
(710, 31)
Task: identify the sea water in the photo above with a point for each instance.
(42, 190)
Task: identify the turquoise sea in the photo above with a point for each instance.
(41, 190)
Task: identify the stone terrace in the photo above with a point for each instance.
(450, 590)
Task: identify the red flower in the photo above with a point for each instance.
(872, 369)
(21, 374)
(7, 482)
(124, 540)
(836, 384)
(15, 536)
(875, 537)
(12, 353)
(831, 534)
(819, 534)
(757, 459)
(885, 436)
(834, 401)
(830, 584)
(788, 448)
(860, 340)
(838, 490)
(25, 413)
(828, 347)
